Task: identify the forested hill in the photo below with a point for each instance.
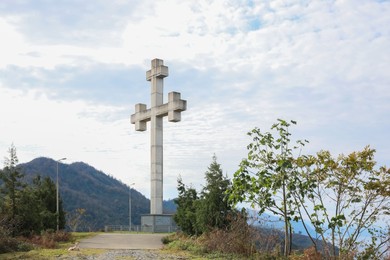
(104, 198)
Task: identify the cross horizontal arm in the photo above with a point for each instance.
(141, 116)
(172, 109)
(175, 106)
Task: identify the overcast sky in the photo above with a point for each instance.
(72, 71)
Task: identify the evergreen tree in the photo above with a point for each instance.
(38, 207)
(185, 216)
(45, 191)
(214, 207)
(12, 186)
(46, 194)
(29, 213)
(27, 209)
(196, 215)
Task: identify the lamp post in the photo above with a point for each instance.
(58, 211)
(130, 205)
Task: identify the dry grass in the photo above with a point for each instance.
(240, 241)
(62, 242)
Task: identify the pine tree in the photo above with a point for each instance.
(12, 185)
(214, 207)
(186, 202)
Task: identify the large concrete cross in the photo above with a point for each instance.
(155, 114)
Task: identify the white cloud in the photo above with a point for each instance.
(11, 44)
(239, 65)
(59, 129)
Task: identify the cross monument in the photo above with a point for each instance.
(155, 115)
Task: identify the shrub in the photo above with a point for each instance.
(11, 244)
(168, 239)
(49, 238)
(238, 239)
(311, 254)
(62, 236)
(8, 244)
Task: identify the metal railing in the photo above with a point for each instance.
(138, 228)
(111, 228)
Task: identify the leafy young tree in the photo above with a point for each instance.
(185, 216)
(214, 207)
(267, 178)
(75, 218)
(344, 200)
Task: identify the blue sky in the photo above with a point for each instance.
(72, 71)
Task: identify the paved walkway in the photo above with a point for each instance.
(123, 241)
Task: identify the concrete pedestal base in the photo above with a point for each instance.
(158, 223)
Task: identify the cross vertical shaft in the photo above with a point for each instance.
(156, 141)
(155, 115)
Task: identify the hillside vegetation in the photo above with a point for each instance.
(104, 199)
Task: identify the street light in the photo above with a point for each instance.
(130, 205)
(58, 211)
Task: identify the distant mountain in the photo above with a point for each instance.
(105, 199)
(274, 222)
(270, 224)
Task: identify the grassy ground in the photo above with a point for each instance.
(61, 250)
(192, 248)
(195, 248)
(177, 245)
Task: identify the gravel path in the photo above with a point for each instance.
(123, 255)
(123, 247)
(124, 241)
